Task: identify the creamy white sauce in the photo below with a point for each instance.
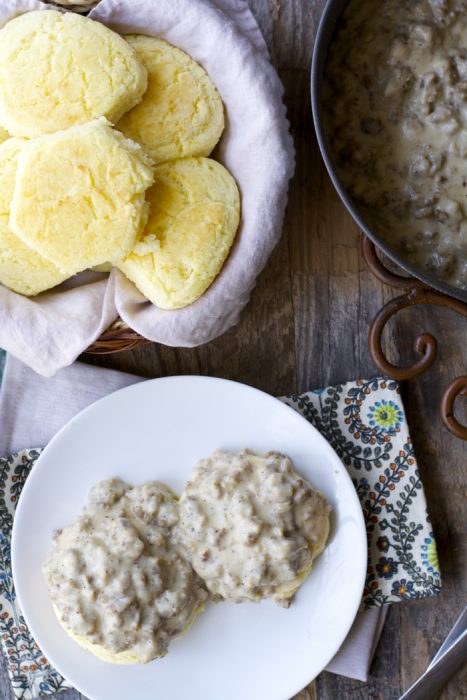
(395, 98)
(116, 578)
(251, 526)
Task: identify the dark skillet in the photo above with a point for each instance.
(332, 12)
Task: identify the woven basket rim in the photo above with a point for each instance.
(115, 340)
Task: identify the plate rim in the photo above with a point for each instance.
(29, 487)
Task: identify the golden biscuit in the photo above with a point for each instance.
(181, 113)
(61, 69)
(105, 267)
(21, 269)
(122, 657)
(79, 196)
(4, 135)
(195, 211)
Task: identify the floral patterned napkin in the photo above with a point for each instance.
(364, 422)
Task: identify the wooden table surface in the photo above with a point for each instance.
(305, 327)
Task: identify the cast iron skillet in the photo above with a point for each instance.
(332, 12)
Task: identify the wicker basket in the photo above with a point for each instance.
(118, 338)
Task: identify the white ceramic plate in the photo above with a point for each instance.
(158, 430)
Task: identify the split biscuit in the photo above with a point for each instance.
(124, 658)
(79, 199)
(251, 526)
(181, 113)
(61, 69)
(194, 216)
(137, 592)
(21, 269)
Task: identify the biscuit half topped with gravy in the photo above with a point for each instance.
(251, 526)
(60, 69)
(119, 586)
(181, 114)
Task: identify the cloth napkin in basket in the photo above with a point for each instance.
(363, 420)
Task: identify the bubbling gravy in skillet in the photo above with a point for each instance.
(395, 101)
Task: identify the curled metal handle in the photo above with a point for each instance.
(425, 344)
(382, 273)
(457, 388)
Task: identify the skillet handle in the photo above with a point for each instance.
(457, 388)
(415, 294)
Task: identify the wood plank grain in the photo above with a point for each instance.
(335, 299)
(6, 693)
(442, 461)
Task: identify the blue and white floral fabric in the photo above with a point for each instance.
(30, 672)
(364, 422)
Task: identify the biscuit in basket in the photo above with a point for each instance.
(4, 135)
(61, 69)
(194, 216)
(21, 269)
(80, 196)
(181, 113)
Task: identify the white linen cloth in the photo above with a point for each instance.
(33, 409)
(256, 147)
